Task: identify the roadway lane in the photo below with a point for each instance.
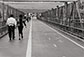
(16, 48)
(47, 42)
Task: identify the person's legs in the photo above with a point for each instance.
(9, 31)
(13, 32)
(22, 32)
(22, 35)
(19, 31)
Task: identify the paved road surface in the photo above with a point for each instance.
(14, 48)
(50, 43)
(41, 41)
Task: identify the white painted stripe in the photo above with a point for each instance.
(49, 38)
(29, 44)
(65, 36)
(54, 45)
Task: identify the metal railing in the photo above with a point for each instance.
(74, 30)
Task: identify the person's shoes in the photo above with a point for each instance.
(10, 39)
(22, 37)
(13, 38)
(19, 39)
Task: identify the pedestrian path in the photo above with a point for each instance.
(40, 40)
(16, 48)
(48, 42)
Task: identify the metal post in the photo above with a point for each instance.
(66, 12)
(3, 12)
(58, 14)
(78, 10)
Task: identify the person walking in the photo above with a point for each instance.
(11, 23)
(20, 24)
(24, 20)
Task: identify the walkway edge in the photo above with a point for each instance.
(29, 44)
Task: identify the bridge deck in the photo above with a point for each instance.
(40, 40)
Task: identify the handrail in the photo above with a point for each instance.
(3, 26)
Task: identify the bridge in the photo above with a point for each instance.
(55, 32)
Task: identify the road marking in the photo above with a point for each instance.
(60, 41)
(54, 45)
(64, 36)
(49, 38)
(57, 38)
(64, 56)
(29, 44)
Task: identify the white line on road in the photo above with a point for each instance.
(64, 36)
(29, 44)
(54, 45)
(49, 38)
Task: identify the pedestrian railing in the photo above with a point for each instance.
(74, 30)
(3, 31)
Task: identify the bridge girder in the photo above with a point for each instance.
(39, 1)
